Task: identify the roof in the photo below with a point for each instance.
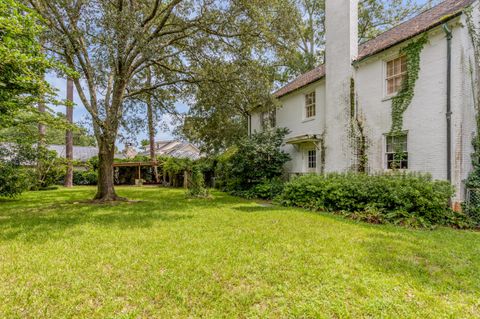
(176, 149)
(423, 22)
(80, 153)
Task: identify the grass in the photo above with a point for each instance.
(168, 257)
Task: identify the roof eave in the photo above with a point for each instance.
(297, 89)
(433, 26)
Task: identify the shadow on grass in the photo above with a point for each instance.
(37, 222)
(443, 259)
(255, 209)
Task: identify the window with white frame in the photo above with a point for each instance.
(312, 159)
(396, 74)
(310, 105)
(397, 151)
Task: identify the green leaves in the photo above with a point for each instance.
(398, 198)
(403, 99)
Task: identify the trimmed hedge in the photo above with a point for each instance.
(410, 199)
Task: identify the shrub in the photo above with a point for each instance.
(267, 189)
(14, 180)
(85, 177)
(196, 186)
(407, 199)
(250, 167)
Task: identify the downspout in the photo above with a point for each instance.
(448, 32)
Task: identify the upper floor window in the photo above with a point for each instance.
(310, 105)
(396, 151)
(269, 119)
(396, 74)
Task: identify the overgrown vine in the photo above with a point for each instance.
(473, 180)
(403, 99)
(357, 133)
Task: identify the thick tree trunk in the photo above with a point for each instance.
(69, 136)
(105, 186)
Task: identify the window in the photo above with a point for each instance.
(310, 105)
(268, 119)
(397, 154)
(396, 74)
(312, 159)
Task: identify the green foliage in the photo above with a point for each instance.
(88, 177)
(402, 100)
(13, 179)
(255, 160)
(407, 199)
(50, 169)
(266, 189)
(22, 65)
(196, 184)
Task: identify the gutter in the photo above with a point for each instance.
(448, 114)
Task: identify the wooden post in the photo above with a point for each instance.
(185, 179)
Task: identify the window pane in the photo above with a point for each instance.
(398, 84)
(398, 66)
(390, 69)
(390, 88)
(404, 64)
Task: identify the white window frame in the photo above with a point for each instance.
(307, 156)
(385, 74)
(386, 153)
(306, 106)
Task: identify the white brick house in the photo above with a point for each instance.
(357, 84)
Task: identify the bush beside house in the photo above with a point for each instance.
(407, 199)
(254, 167)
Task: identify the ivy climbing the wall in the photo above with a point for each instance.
(403, 99)
(357, 136)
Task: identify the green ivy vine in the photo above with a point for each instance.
(403, 99)
(357, 133)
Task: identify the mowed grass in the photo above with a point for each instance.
(169, 257)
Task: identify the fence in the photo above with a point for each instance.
(472, 197)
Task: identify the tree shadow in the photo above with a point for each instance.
(255, 209)
(428, 258)
(41, 223)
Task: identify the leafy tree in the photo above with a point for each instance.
(111, 44)
(305, 49)
(254, 160)
(22, 66)
(218, 118)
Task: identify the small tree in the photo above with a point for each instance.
(257, 158)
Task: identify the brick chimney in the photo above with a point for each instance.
(341, 49)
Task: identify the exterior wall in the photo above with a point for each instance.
(291, 114)
(424, 119)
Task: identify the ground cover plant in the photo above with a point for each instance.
(166, 256)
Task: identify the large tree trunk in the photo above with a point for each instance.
(69, 136)
(105, 186)
(151, 129)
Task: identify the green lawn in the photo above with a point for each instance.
(167, 257)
